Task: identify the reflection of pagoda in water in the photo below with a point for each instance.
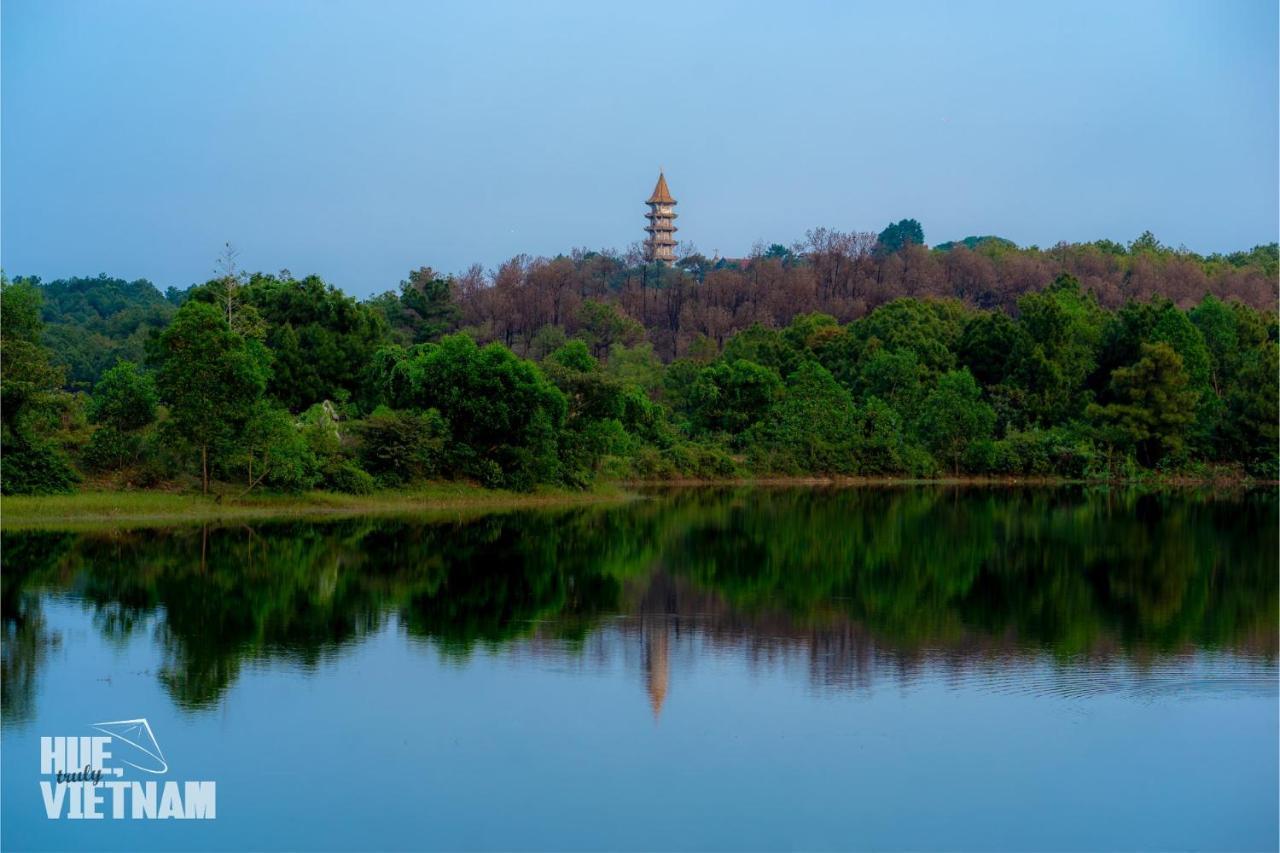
(659, 617)
(669, 622)
(657, 665)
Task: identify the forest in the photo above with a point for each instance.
(842, 355)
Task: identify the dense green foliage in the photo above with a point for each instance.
(123, 406)
(288, 384)
(899, 234)
(31, 403)
(91, 323)
(212, 379)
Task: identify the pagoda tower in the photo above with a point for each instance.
(661, 243)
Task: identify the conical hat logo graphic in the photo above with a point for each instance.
(146, 752)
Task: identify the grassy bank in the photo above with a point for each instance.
(104, 507)
(141, 508)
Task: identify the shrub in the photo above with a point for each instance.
(35, 468)
(400, 447)
(109, 449)
(650, 463)
(292, 467)
(917, 462)
(1042, 453)
(348, 478)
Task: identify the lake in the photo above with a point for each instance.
(726, 669)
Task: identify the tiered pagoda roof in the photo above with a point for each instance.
(661, 243)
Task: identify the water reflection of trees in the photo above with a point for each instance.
(839, 576)
(26, 640)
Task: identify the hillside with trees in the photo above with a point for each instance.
(844, 355)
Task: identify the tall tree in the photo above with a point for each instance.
(985, 345)
(1054, 351)
(423, 309)
(29, 392)
(810, 429)
(730, 396)
(211, 377)
(953, 416)
(1154, 406)
(321, 340)
(899, 234)
(123, 404)
(503, 415)
(601, 325)
(1251, 432)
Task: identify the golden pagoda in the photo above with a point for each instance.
(660, 246)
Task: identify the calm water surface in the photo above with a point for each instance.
(713, 669)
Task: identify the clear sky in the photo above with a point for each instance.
(359, 140)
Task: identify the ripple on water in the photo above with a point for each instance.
(1183, 677)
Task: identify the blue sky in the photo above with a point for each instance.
(359, 140)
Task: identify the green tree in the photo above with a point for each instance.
(602, 325)
(809, 335)
(729, 396)
(923, 327)
(1154, 406)
(545, 341)
(896, 378)
(770, 347)
(28, 378)
(810, 429)
(573, 355)
(878, 435)
(91, 323)
(125, 398)
(211, 377)
(636, 367)
(985, 344)
(953, 417)
(899, 234)
(1175, 328)
(1146, 242)
(1218, 327)
(399, 447)
(1241, 376)
(504, 416)
(123, 405)
(274, 450)
(597, 405)
(422, 310)
(29, 398)
(1251, 431)
(320, 339)
(1054, 351)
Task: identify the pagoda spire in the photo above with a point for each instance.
(660, 245)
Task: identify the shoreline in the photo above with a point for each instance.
(1154, 482)
(143, 508)
(154, 508)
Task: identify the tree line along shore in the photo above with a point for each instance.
(844, 356)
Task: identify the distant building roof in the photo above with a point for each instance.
(661, 195)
